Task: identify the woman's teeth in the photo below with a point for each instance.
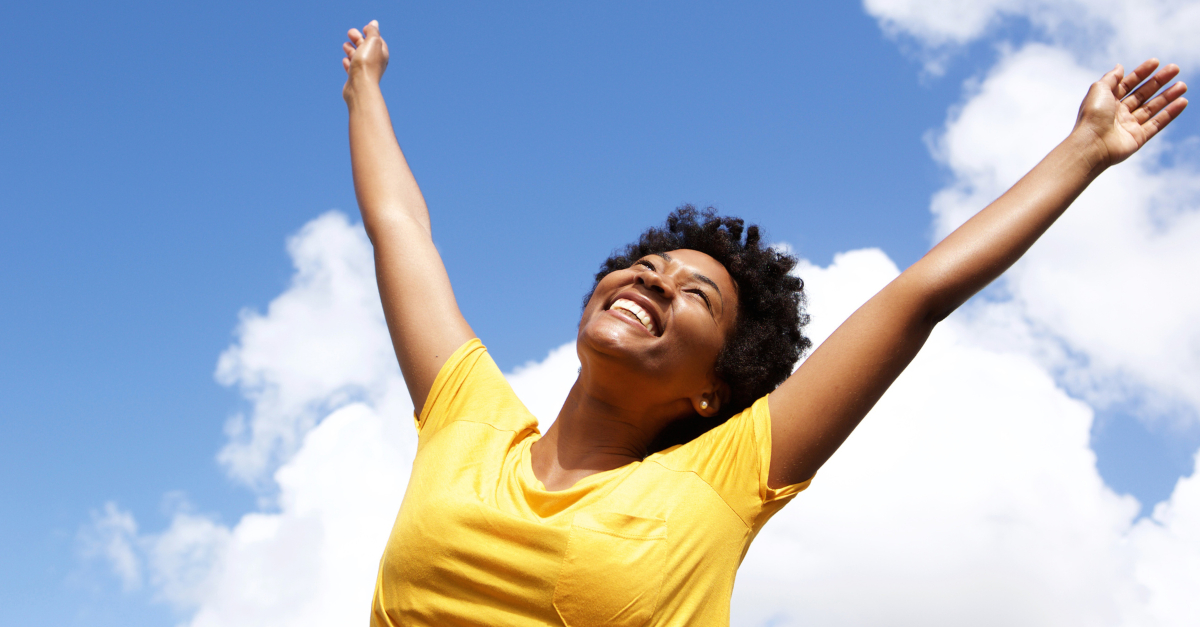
(625, 304)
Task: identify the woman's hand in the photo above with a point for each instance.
(1116, 122)
(366, 57)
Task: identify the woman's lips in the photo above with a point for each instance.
(635, 312)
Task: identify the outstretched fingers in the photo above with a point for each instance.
(1156, 104)
(1131, 80)
(1143, 94)
(1171, 110)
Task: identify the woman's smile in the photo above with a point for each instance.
(638, 309)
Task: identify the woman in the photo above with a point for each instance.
(686, 429)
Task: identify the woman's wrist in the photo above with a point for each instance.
(358, 86)
(1092, 150)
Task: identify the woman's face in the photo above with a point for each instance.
(658, 326)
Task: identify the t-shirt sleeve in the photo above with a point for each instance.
(734, 458)
(471, 387)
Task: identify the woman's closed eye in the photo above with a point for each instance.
(645, 262)
(701, 294)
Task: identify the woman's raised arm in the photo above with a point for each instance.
(815, 410)
(422, 315)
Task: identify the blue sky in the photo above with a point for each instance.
(156, 156)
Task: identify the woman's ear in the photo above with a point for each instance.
(708, 402)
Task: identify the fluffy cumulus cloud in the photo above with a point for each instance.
(1097, 29)
(319, 345)
(329, 429)
(318, 371)
(969, 496)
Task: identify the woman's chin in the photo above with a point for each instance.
(613, 340)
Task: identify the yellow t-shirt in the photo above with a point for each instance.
(480, 541)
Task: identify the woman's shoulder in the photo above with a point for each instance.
(702, 440)
(733, 458)
(471, 387)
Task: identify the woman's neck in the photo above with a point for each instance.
(593, 434)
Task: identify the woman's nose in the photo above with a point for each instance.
(657, 282)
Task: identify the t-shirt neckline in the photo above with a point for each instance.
(587, 484)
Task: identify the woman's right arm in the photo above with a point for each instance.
(816, 409)
(418, 302)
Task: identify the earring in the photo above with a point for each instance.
(703, 404)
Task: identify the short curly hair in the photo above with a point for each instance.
(767, 338)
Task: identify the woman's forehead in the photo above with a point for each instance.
(691, 257)
(703, 264)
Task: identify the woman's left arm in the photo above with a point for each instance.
(815, 410)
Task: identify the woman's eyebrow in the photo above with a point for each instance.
(702, 278)
(699, 277)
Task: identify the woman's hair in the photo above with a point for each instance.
(766, 340)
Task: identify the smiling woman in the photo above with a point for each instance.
(686, 429)
(765, 340)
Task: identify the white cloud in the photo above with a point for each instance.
(181, 559)
(310, 559)
(320, 344)
(313, 562)
(969, 496)
(939, 22)
(970, 489)
(1100, 31)
(111, 536)
(1168, 550)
